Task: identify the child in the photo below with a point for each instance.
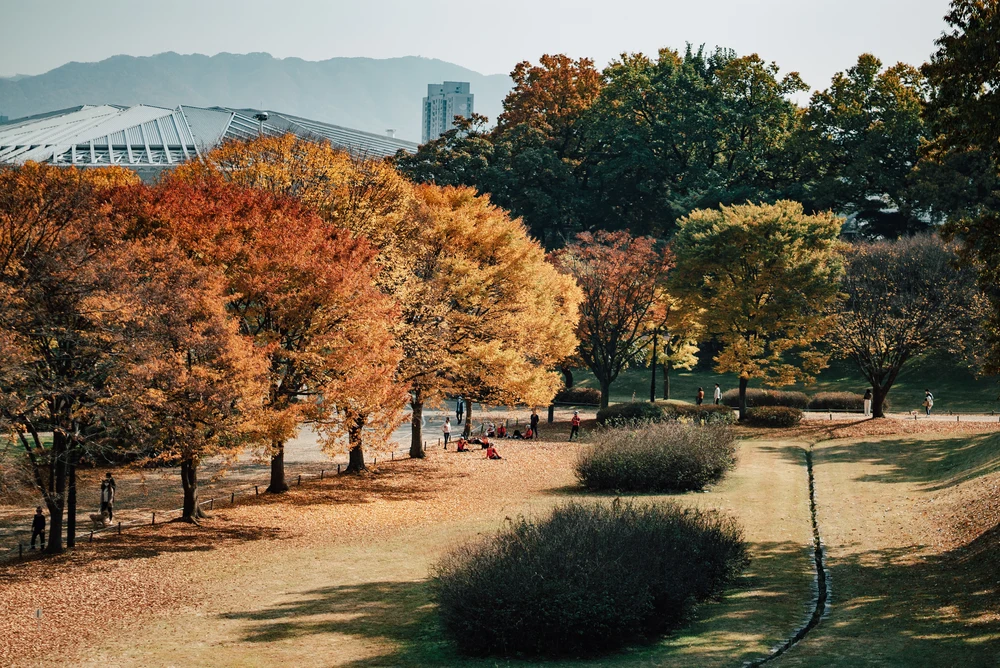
(528, 434)
(575, 428)
(38, 529)
(463, 445)
(491, 453)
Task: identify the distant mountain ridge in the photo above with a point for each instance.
(362, 93)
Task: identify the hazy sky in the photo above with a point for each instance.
(814, 37)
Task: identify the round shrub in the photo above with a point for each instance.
(774, 416)
(704, 414)
(588, 579)
(578, 395)
(666, 457)
(844, 401)
(759, 397)
(633, 412)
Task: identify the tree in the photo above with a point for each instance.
(858, 143)
(904, 299)
(671, 339)
(620, 276)
(304, 291)
(57, 242)
(964, 114)
(190, 386)
(766, 277)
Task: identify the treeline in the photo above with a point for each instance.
(647, 140)
(275, 283)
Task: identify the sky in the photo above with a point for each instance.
(816, 38)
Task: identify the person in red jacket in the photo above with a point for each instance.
(575, 428)
(491, 453)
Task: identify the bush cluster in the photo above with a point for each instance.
(578, 395)
(588, 579)
(760, 397)
(665, 457)
(849, 401)
(632, 412)
(774, 416)
(704, 414)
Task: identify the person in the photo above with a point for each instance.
(461, 445)
(928, 401)
(534, 421)
(868, 402)
(491, 453)
(700, 396)
(446, 430)
(574, 429)
(108, 495)
(459, 409)
(491, 430)
(718, 394)
(502, 431)
(517, 434)
(38, 529)
(529, 434)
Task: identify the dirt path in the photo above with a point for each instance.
(905, 593)
(335, 573)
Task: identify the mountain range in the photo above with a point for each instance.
(362, 93)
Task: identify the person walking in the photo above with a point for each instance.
(868, 402)
(700, 397)
(446, 430)
(534, 421)
(574, 429)
(718, 394)
(460, 410)
(928, 402)
(38, 529)
(108, 495)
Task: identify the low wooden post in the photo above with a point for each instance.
(211, 504)
(338, 468)
(300, 480)
(321, 474)
(958, 418)
(256, 492)
(91, 536)
(392, 456)
(154, 518)
(20, 550)
(119, 528)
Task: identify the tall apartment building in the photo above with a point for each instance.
(443, 103)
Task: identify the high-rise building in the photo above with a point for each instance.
(443, 103)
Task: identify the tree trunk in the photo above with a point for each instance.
(743, 396)
(71, 498)
(567, 377)
(416, 427)
(277, 485)
(605, 392)
(652, 368)
(879, 394)
(467, 432)
(666, 381)
(356, 454)
(192, 512)
(58, 493)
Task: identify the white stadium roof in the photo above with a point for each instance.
(148, 139)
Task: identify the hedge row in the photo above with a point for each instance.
(760, 397)
(578, 395)
(849, 401)
(636, 412)
(774, 416)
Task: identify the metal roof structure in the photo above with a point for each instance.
(148, 139)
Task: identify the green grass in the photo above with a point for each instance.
(955, 388)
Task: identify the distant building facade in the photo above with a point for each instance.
(149, 139)
(443, 103)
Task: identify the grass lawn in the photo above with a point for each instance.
(954, 387)
(336, 573)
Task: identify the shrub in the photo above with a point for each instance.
(774, 416)
(667, 457)
(578, 395)
(704, 414)
(630, 413)
(588, 579)
(759, 397)
(848, 401)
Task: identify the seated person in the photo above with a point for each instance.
(463, 445)
(528, 434)
(491, 430)
(491, 453)
(502, 431)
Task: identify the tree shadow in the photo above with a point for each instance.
(937, 463)
(402, 616)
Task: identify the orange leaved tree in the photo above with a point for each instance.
(305, 293)
(620, 276)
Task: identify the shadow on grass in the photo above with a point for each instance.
(894, 607)
(765, 605)
(937, 463)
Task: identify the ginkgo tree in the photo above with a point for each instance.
(766, 277)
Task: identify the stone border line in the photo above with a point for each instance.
(821, 579)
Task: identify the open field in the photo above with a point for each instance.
(335, 573)
(954, 387)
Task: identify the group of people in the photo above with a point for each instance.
(927, 405)
(107, 508)
(699, 398)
